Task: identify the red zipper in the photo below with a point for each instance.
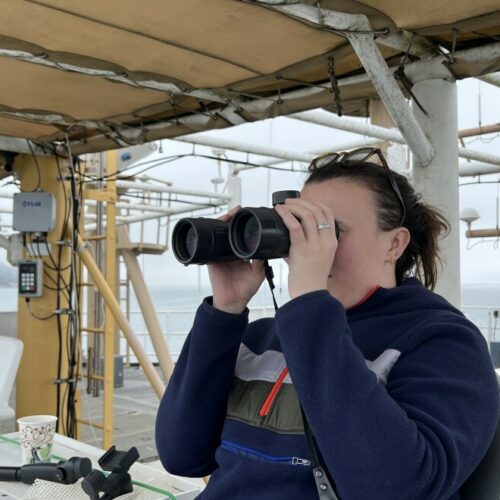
(266, 407)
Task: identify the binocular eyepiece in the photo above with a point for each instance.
(252, 233)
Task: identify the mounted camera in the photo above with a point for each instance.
(252, 233)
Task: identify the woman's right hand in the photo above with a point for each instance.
(234, 282)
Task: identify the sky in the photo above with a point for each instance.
(478, 103)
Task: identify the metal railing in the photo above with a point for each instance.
(176, 324)
(486, 319)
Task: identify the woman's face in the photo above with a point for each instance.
(364, 257)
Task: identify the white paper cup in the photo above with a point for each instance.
(36, 434)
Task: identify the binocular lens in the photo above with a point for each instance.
(185, 241)
(251, 234)
(245, 233)
(258, 233)
(191, 241)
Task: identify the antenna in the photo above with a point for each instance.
(469, 215)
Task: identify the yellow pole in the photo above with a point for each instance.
(124, 325)
(146, 305)
(109, 322)
(36, 391)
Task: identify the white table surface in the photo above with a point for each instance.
(65, 448)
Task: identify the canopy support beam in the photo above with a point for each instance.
(438, 181)
(357, 29)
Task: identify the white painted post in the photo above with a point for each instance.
(438, 181)
(234, 189)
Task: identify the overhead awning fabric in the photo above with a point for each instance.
(104, 74)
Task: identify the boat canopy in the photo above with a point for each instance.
(107, 74)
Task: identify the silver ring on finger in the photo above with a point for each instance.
(323, 225)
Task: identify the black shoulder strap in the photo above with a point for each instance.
(325, 490)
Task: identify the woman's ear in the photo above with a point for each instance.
(400, 239)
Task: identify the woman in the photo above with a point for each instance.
(397, 386)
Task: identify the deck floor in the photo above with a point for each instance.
(135, 407)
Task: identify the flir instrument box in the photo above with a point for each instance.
(34, 212)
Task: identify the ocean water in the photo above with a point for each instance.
(479, 300)
(182, 297)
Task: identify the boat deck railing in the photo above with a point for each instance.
(176, 324)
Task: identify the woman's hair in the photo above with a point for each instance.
(425, 223)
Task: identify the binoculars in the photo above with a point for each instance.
(252, 233)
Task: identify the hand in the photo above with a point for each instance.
(234, 282)
(312, 250)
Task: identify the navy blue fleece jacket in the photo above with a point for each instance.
(399, 391)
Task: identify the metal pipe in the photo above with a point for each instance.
(492, 79)
(393, 135)
(243, 147)
(110, 330)
(120, 318)
(94, 217)
(140, 218)
(472, 154)
(391, 95)
(279, 155)
(346, 146)
(375, 65)
(483, 233)
(349, 125)
(477, 168)
(136, 207)
(473, 132)
(141, 186)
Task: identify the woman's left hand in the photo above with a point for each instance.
(312, 250)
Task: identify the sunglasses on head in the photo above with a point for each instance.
(361, 155)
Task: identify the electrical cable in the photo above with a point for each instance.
(72, 337)
(117, 175)
(77, 271)
(169, 159)
(72, 331)
(40, 318)
(61, 398)
(39, 255)
(37, 167)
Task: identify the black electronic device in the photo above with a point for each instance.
(198, 240)
(119, 482)
(30, 281)
(67, 472)
(252, 233)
